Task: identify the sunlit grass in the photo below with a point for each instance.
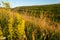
(11, 25)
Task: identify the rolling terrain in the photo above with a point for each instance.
(40, 22)
(44, 15)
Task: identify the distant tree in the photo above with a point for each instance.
(6, 4)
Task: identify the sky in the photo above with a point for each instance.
(16, 3)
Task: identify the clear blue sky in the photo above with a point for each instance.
(15, 3)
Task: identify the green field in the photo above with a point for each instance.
(40, 22)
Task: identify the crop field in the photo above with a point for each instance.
(30, 22)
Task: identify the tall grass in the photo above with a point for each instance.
(35, 32)
(11, 25)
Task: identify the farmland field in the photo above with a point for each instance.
(40, 22)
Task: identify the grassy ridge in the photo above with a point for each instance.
(51, 11)
(48, 20)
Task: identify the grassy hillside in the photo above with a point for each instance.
(51, 11)
(43, 21)
(30, 22)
